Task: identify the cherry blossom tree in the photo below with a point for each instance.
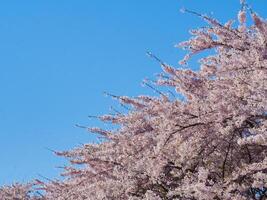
(18, 191)
(209, 145)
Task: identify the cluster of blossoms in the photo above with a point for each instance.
(209, 145)
(17, 192)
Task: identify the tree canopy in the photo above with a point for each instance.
(211, 144)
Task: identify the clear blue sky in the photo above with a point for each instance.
(58, 57)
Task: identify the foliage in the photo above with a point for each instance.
(212, 144)
(18, 191)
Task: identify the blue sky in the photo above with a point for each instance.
(58, 57)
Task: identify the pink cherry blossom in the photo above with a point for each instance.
(209, 143)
